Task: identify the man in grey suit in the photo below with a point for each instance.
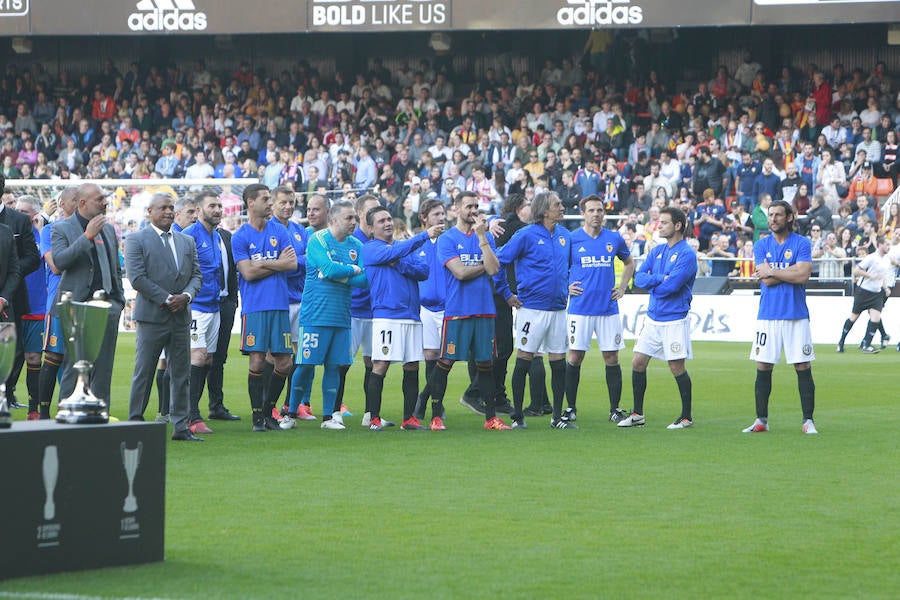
(86, 252)
(163, 268)
(10, 275)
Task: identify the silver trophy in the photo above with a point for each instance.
(131, 459)
(7, 357)
(84, 326)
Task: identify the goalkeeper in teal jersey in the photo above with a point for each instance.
(333, 267)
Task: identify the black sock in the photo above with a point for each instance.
(520, 372)
(47, 385)
(214, 382)
(268, 369)
(429, 369)
(438, 382)
(558, 384)
(410, 392)
(198, 382)
(255, 391)
(287, 390)
(848, 325)
(484, 376)
(374, 390)
(870, 333)
(163, 390)
(684, 389)
(273, 393)
(365, 388)
(614, 385)
(573, 378)
(32, 384)
(339, 399)
(807, 388)
(762, 390)
(881, 330)
(638, 387)
(537, 383)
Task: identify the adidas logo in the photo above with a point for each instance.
(252, 246)
(582, 249)
(540, 242)
(166, 15)
(459, 247)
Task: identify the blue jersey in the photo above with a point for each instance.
(268, 293)
(432, 290)
(541, 258)
(717, 212)
(329, 279)
(296, 279)
(785, 300)
(668, 274)
(52, 279)
(36, 285)
(473, 297)
(361, 304)
(748, 174)
(394, 272)
(592, 265)
(209, 255)
(589, 181)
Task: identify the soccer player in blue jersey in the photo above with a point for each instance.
(467, 253)
(361, 309)
(432, 294)
(334, 259)
(783, 266)
(394, 270)
(32, 327)
(283, 209)
(593, 303)
(205, 316)
(54, 342)
(541, 253)
(264, 255)
(668, 274)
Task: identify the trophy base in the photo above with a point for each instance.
(78, 412)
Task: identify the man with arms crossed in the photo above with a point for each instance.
(783, 265)
(264, 255)
(668, 274)
(333, 266)
(467, 253)
(593, 303)
(394, 270)
(541, 255)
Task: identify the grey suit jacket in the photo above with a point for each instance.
(10, 275)
(72, 256)
(151, 270)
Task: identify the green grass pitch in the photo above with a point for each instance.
(600, 512)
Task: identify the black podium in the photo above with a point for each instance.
(81, 496)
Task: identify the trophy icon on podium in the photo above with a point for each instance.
(7, 357)
(84, 326)
(131, 460)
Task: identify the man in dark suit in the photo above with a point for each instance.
(9, 271)
(227, 307)
(29, 261)
(85, 250)
(163, 269)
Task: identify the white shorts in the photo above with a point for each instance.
(397, 340)
(205, 330)
(432, 327)
(541, 331)
(295, 322)
(794, 336)
(360, 336)
(665, 341)
(607, 329)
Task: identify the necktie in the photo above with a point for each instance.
(103, 261)
(167, 241)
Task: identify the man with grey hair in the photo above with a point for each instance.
(541, 253)
(162, 267)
